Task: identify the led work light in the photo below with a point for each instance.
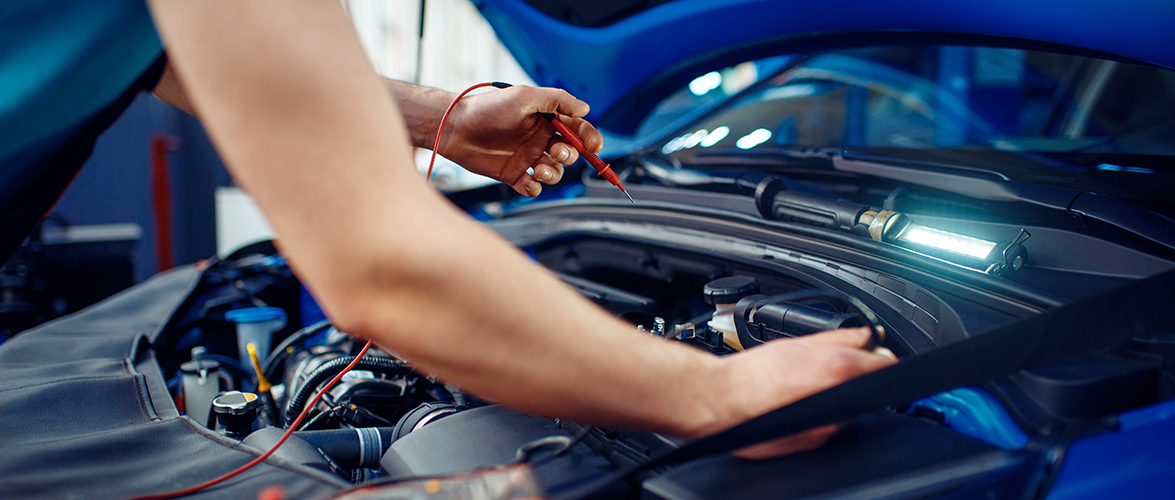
(999, 258)
(783, 200)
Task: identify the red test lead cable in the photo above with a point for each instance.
(285, 436)
(445, 117)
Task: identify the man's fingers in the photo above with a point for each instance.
(562, 152)
(804, 441)
(527, 186)
(567, 104)
(848, 337)
(592, 140)
(547, 171)
(567, 108)
(549, 100)
(854, 338)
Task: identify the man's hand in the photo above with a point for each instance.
(782, 372)
(499, 135)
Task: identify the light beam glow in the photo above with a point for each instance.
(948, 241)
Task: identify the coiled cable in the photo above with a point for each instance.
(326, 370)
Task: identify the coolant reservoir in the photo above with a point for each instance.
(201, 380)
(724, 293)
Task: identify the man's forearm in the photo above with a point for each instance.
(422, 108)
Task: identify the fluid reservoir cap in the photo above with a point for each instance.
(195, 367)
(255, 314)
(235, 403)
(730, 289)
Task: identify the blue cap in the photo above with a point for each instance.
(255, 314)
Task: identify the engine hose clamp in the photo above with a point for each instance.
(370, 447)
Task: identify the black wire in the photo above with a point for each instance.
(240, 286)
(576, 439)
(524, 452)
(370, 414)
(321, 415)
(278, 353)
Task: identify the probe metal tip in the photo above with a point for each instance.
(629, 197)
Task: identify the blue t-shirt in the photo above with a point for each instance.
(61, 61)
(67, 70)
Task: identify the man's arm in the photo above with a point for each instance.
(496, 136)
(305, 125)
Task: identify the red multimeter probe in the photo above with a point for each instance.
(602, 169)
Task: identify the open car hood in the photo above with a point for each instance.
(621, 56)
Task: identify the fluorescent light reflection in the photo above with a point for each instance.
(695, 138)
(673, 146)
(715, 136)
(705, 83)
(790, 92)
(707, 138)
(944, 240)
(759, 136)
(1109, 167)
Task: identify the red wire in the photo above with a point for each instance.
(329, 385)
(441, 127)
(288, 433)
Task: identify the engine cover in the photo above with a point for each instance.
(486, 437)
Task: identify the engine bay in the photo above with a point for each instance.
(385, 420)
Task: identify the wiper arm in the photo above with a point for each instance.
(833, 155)
(923, 166)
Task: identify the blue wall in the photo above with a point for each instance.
(114, 185)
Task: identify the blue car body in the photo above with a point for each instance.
(623, 58)
(642, 50)
(995, 121)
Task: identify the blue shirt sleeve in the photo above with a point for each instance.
(62, 61)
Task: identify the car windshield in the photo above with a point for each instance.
(946, 97)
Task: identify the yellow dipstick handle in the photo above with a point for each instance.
(262, 383)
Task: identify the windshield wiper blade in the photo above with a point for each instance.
(922, 165)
